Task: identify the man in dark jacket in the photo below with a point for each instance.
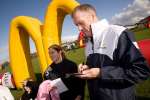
(114, 63)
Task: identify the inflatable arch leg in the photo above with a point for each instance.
(22, 27)
(55, 14)
(19, 50)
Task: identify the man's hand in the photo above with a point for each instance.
(88, 73)
(82, 67)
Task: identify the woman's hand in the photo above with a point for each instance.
(78, 97)
(27, 89)
(50, 87)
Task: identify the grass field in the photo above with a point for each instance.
(142, 34)
(77, 55)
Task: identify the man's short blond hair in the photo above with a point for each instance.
(84, 8)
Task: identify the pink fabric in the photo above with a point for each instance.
(43, 92)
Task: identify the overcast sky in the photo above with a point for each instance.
(122, 12)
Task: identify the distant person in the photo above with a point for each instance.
(114, 63)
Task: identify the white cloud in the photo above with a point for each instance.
(4, 49)
(134, 12)
(3, 54)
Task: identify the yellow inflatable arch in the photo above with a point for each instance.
(23, 27)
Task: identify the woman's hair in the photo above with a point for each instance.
(58, 49)
(84, 8)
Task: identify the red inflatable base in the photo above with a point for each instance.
(144, 46)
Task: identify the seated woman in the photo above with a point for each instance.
(58, 69)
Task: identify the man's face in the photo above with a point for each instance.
(83, 20)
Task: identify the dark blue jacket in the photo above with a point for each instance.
(121, 63)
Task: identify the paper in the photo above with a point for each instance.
(61, 87)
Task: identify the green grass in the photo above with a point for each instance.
(142, 34)
(77, 55)
(143, 89)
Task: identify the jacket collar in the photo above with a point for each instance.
(99, 27)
